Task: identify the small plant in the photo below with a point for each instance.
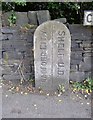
(12, 19)
(85, 87)
(28, 26)
(20, 2)
(32, 81)
(61, 89)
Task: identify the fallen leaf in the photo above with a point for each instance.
(59, 95)
(21, 92)
(77, 95)
(41, 91)
(25, 93)
(86, 96)
(17, 89)
(12, 88)
(87, 91)
(80, 97)
(47, 94)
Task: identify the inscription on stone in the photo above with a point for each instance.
(43, 55)
(52, 42)
(60, 53)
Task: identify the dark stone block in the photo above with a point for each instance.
(32, 17)
(14, 45)
(5, 17)
(73, 68)
(63, 20)
(86, 44)
(0, 36)
(0, 54)
(85, 66)
(87, 60)
(19, 37)
(7, 36)
(6, 70)
(77, 76)
(43, 16)
(0, 45)
(80, 32)
(88, 54)
(75, 62)
(4, 37)
(14, 76)
(80, 36)
(77, 56)
(30, 39)
(11, 77)
(7, 48)
(12, 55)
(22, 18)
(88, 49)
(74, 44)
(8, 30)
(77, 48)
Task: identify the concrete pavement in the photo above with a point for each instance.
(44, 106)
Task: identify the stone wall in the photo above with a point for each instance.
(81, 52)
(17, 51)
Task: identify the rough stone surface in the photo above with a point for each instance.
(76, 56)
(80, 33)
(5, 17)
(8, 30)
(32, 17)
(21, 18)
(77, 76)
(73, 68)
(63, 20)
(85, 66)
(16, 50)
(75, 61)
(43, 16)
(52, 44)
(11, 77)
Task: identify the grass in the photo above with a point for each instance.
(85, 87)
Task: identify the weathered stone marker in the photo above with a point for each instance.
(52, 42)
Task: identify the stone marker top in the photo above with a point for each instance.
(52, 42)
(47, 25)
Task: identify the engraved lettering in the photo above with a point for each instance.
(61, 38)
(43, 45)
(61, 33)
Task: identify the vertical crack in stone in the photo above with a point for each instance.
(52, 55)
